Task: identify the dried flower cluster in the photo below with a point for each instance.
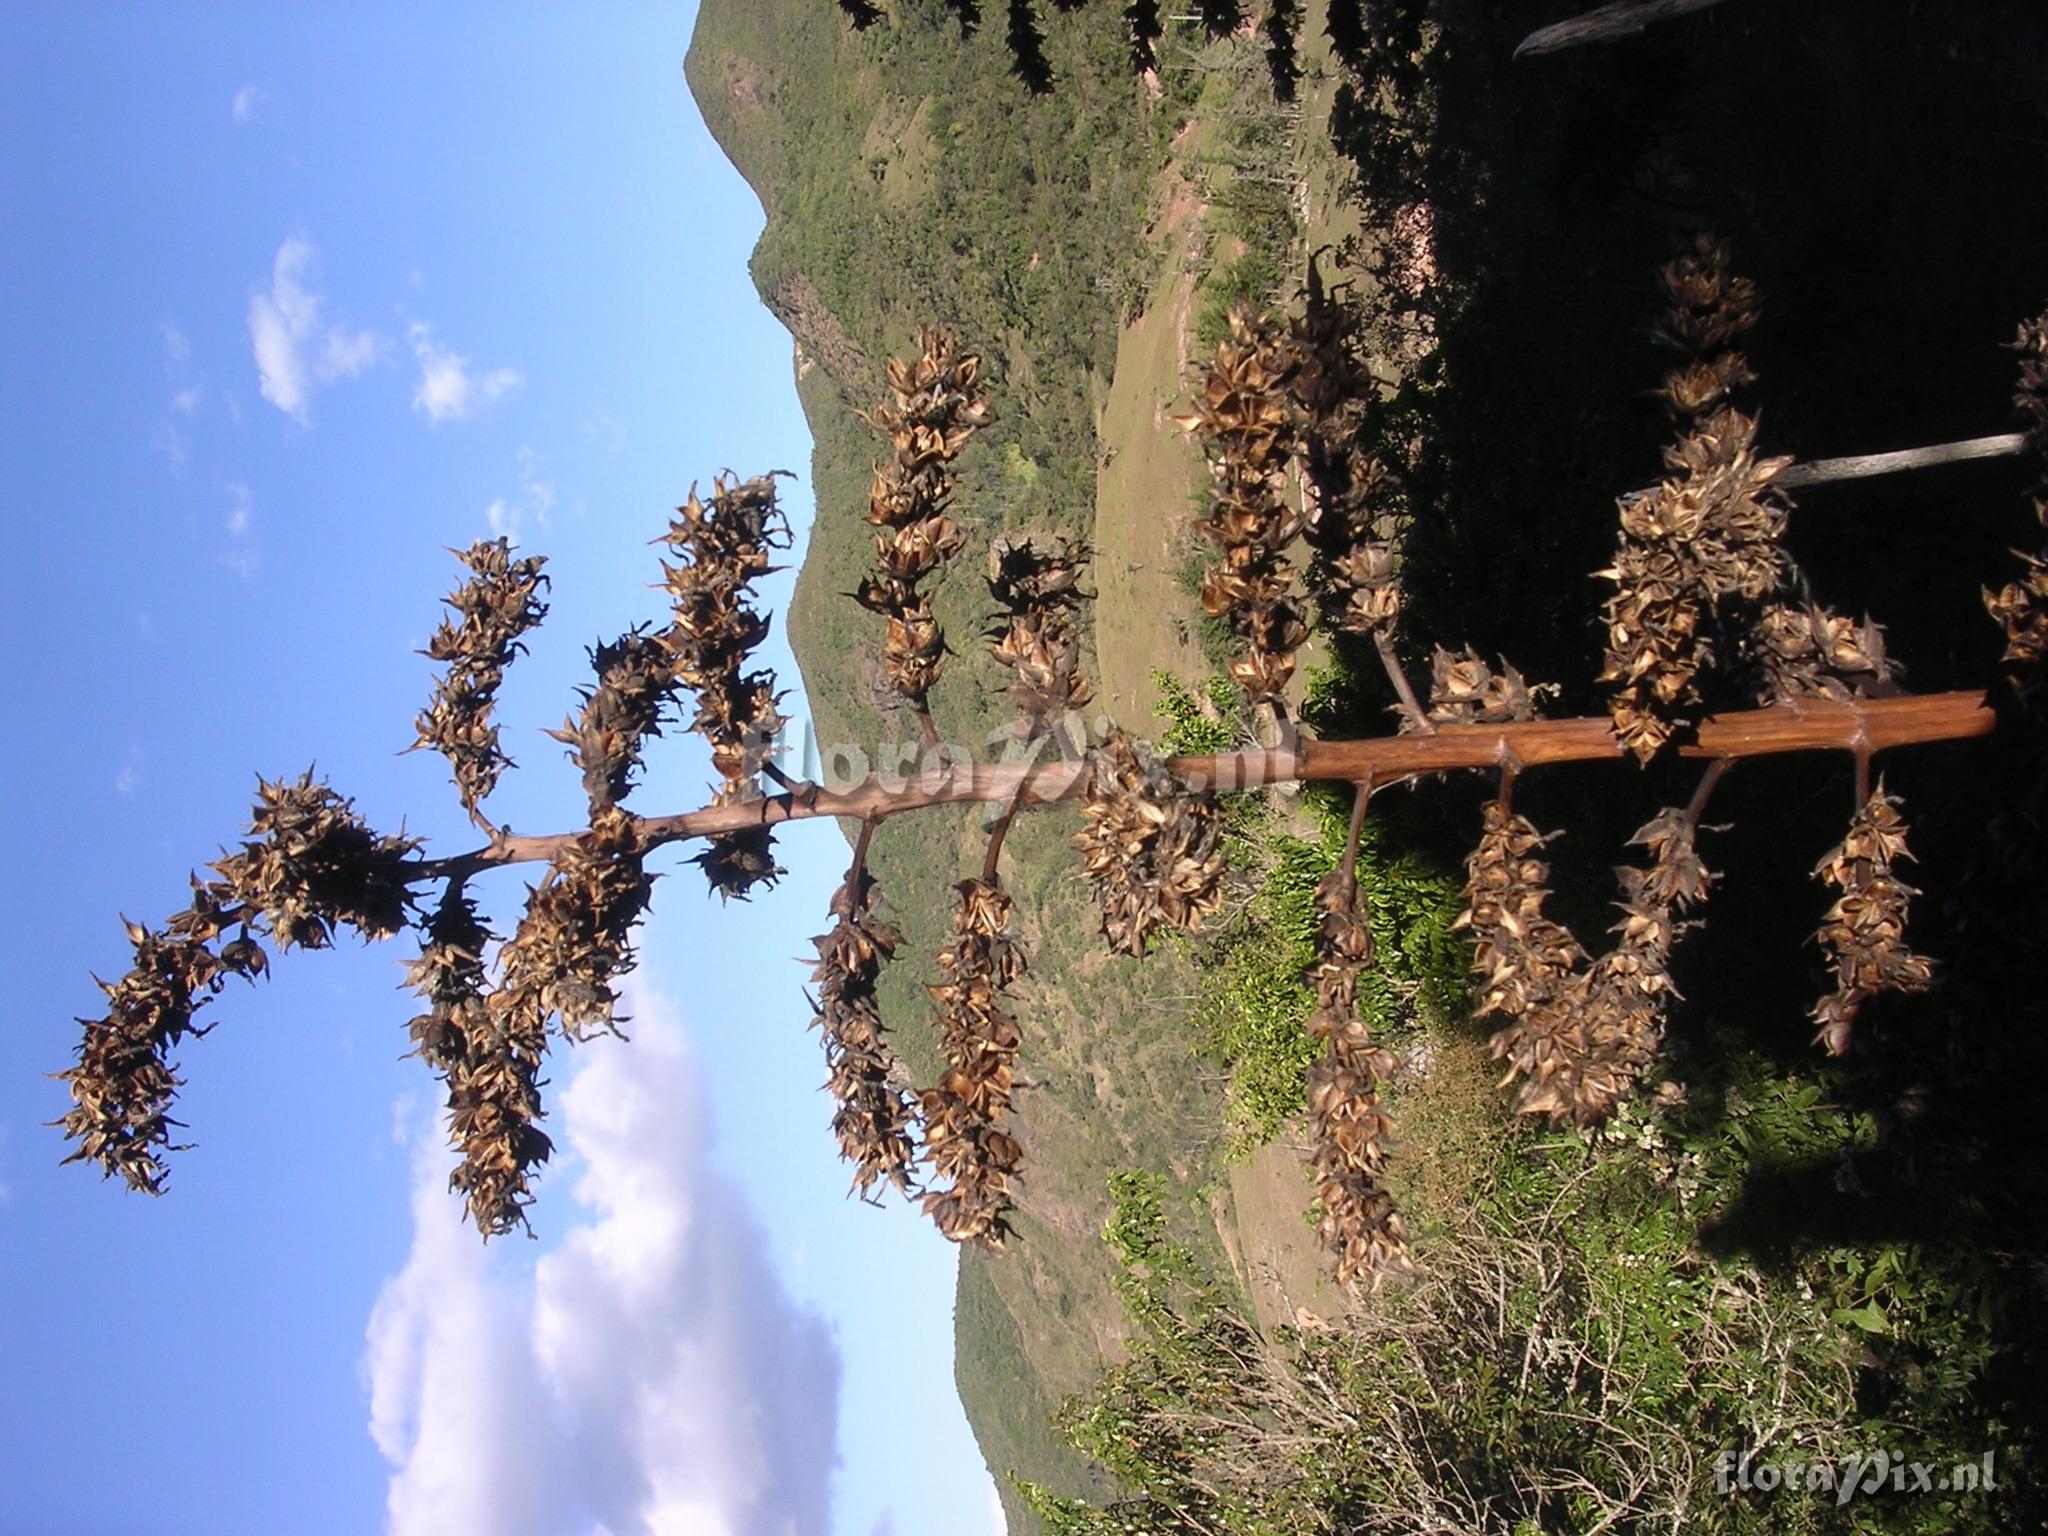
(492, 610)
(1353, 570)
(572, 941)
(316, 863)
(1522, 961)
(312, 864)
(1579, 1031)
(1700, 556)
(490, 1056)
(2021, 607)
(1465, 691)
(635, 681)
(1152, 849)
(1352, 1134)
(1805, 650)
(449, 974)
(874, 1119)
(124, 1085)
(1244, 416)
(936, 405)
(1625, 992)
(1038, 584)
(1710, 529)
(1864, 932)
(722, 548)
(972, 1159)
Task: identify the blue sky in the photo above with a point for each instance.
(294, 298)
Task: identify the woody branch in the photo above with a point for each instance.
(1809, 726)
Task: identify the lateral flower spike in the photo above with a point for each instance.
(971, 1157)
(1864, 932)
(1579, 1032)
(312, 863)
(1352, 1133)
(1245, 418)
(2020, 608)
(1152, 850)
(935, 405)
(875, 1119)
(1702, 554)
(721, 548)
(1351, 528)
(477, 642)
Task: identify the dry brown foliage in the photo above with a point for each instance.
(1152, 848)
(1246, 420)
(722, 548)
(2021, 607)
(874, 1120)
(1352, 1133)
(971, 1157)
(493, 609)
(935, 406)
(1864, 932)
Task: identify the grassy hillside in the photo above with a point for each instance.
(909, 180)
(1879, 171)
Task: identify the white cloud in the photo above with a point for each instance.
(187, 395)
(240, 555)
(650, 1376)
(129, 779)
(998, 1522)
(536, 499)
(167, 440)
(244, 105)
(177, 347)
(448, 390)
(295, 351)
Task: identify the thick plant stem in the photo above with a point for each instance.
(1808, 726)
(1605, 24)
(1697, 806)
(1398, 676)
(1870, 466)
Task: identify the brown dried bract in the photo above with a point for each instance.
(2020, 608)
(1037, 580)
(875, 1119)
(971, 1157)
(1152, 849)
(1352, 1134)
(721, 548)
(935, 405)
(496, 606)
(1864, 932)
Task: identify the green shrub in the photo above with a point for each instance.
(1254, 996)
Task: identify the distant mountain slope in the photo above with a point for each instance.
(908, 179)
